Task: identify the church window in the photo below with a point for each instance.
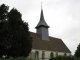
(51, 55)
(36, 55)
(65, 54)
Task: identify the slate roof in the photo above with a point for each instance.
(42, 21)
(54, 44)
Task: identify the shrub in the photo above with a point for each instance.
(17, 59)
(63, 58)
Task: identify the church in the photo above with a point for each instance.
(44, 46)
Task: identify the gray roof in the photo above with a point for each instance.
(42, 21)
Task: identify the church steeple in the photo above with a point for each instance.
(42, 21)
(42, 27)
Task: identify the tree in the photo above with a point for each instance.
(15, 40)
(3, 12)
(21, 40)
(3, 29)
(77, 52)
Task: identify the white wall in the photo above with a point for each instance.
(47, 54)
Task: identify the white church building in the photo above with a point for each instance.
(45, 46)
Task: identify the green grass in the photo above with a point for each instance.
(17, 59)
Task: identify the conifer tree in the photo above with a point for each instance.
(15, 40)
(21, 40)
(4, 31)
(77, 52)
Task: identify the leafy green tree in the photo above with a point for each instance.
(3, 12)
(15, 40)
(77, 52)
(4, 31)
(21, 41)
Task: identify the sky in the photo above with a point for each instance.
(63, 17)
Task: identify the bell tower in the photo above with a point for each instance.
(42, 27)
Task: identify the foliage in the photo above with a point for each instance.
(62, 58)
(17, 59)
(77, 52)
(4, 30)
(3, 12)
(15, 40)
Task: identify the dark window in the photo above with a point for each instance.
(65, 54)
(36, 55)
(51, 55)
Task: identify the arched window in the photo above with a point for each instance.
(65, 54)
(51, 55)
(36, 55)
(43, 55)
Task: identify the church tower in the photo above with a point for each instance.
(42, 28)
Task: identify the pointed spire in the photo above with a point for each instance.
(41, 4)
(42, 21)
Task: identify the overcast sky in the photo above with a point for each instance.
(63, 17)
